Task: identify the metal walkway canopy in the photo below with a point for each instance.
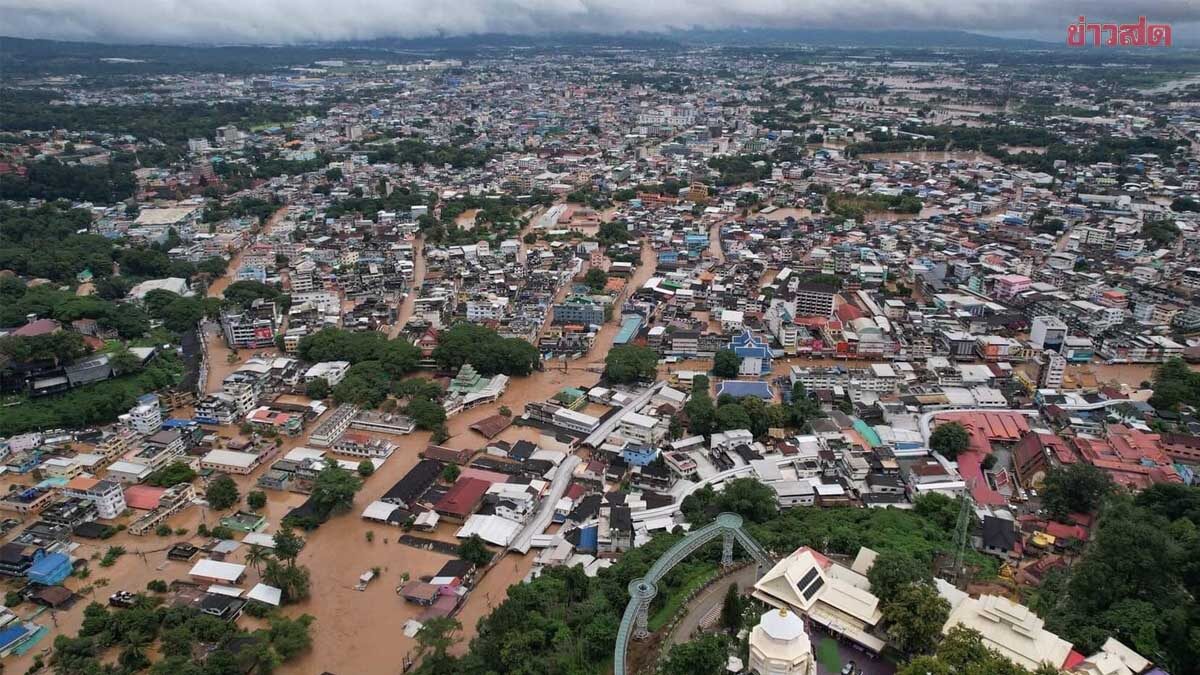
(728, 526)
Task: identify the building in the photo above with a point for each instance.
(643, 429)
(145, 417)
(578, 310)
(108, 496)
(779, 645)
(1012, 630)
(330, 371)
(814, 300)
(833, 596)
(253, 327)
(231, 461)
(754, 353)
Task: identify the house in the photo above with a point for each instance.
(998, 536)
(462, 499)
(409, 488)
(829, 594)
(49, 569)
(217, 572)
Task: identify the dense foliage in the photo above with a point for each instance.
(485, 350)
(171, 124)
(626, 364)
(176, 633)
(93, 404)
(1134, 579)
(1174, 384)
(51, 179)
(949, 439)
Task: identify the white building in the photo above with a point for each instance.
(331, 371)
(145, 417)
(107, 495)
(779, 645)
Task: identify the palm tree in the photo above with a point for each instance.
(257, 556)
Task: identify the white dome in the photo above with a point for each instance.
(782, 625)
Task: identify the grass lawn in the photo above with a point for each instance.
(827, 654)
(675, 600)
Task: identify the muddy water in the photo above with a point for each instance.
(466, 219)
(217, 287)
(406, 308)
(929, 156)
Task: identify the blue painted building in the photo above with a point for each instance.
(49, 569)
(754, 352)
(638, 455)
(744, 388)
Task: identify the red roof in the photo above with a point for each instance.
(848, 312)
(463, 497)
(144, 497)
(38, 327)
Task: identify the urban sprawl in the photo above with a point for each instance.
(636, 359)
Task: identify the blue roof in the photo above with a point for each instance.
(743, 388)
(588, 538)
(630, 325)
(12, 634)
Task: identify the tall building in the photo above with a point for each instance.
(1047, 332)
(1052, 371)
(145, 417)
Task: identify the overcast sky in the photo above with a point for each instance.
(289, 21)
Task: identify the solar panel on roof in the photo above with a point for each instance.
(813, 588)
(806, 579)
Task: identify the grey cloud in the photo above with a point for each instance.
(290, 21)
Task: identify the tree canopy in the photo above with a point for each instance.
(627, 364)
(485, 350)
(949, 439)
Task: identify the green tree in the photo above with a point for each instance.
(474, 551)
(222, 492)
(949, 439)
(257, 556)
(366, 468)
(1078, 488)
(290, 637)
(426, 413)
(733, 416)
(700, 411)
(726, 363)
(334, 489)
(893, 570)
(450, 473)
(437, 635)
(171, 474)
(256, 499)
(595, 279)
(287, 544)
(317, 388)
(915, 616)
(731, 610)
(627, 364)
(292, 580)
(707, 655)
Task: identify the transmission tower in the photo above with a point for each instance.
(962, 533)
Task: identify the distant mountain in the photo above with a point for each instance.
(834, 37)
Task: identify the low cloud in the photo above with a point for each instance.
(292, 21)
